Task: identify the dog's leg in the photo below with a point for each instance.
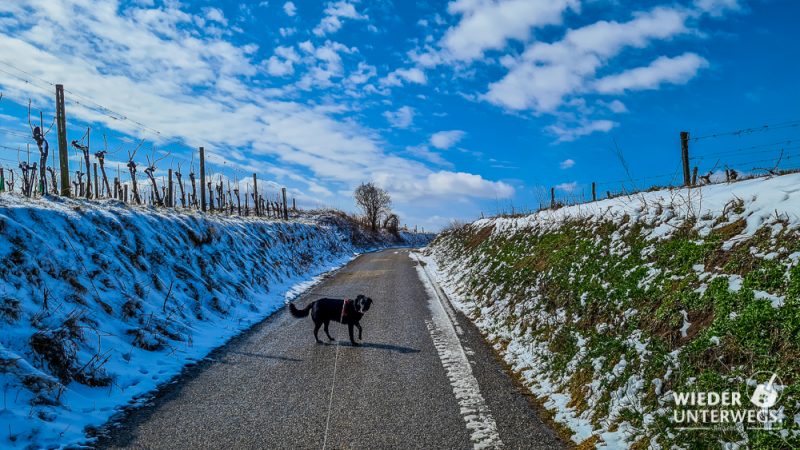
(359, 331)
(326, 331)
(350, 329)
(317, 326)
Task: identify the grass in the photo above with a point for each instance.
(603, 281)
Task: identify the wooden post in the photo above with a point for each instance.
(125, 194)
(2, 180)
(294, 205)
(238, 199)
(594, 191)
(88, 190)
(255, 194)
(694, 176)
(685, 157)
(552, 197)
(96, 191)
(608, 194)
(63, 149)
(202, 179)
(285, 210)
(169, 189)
(211, 196)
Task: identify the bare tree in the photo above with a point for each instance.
(374, 201)
(39, 136)
(392, 223)
(150, 171)
(85, 150)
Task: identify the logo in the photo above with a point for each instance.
(766, 394)
(729, 408)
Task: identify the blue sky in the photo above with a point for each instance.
(456, 107)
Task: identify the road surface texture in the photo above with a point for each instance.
(408, 386)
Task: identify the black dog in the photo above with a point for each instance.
(324, 310)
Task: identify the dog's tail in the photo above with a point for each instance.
(299, 312)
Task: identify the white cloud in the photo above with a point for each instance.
(290, 9)
(572, 132)
(489, 24)
(412, 75)
(567, 164)
(549, 72)
(363, 73)
(402, 118)
(325, 63)
(423, 152)
(334, 13)
(677, 70)
(567, 187)
(444, 140)
(215, 15)
(717, 8)
(199, 89)
(459, 183)
(614, 106)
(279, 68)
(282, 62)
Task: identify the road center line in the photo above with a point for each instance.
(330, 399)
(475, 412)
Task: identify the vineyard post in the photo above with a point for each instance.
(96, 190)
(63, 150)
(594, 191)
(552, 197)
(169, 189)
(685, 158)
(255, 194)
(694, 176)
(202, 179)
(88, 190)
(285, 210)
(125, 194)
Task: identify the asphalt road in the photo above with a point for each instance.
(274, 387)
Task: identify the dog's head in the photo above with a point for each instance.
(362, 304)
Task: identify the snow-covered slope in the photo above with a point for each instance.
(102, 303)
(606, 309)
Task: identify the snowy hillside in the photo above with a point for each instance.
(102, 303)
(604, 310)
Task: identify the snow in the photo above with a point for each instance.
(771, 203)
(135, 294)
(444, 333)
(760, 198)
(686, 323)
(775, 300)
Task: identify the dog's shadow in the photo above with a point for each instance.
(379, 346)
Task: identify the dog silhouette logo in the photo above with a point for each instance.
(766, 394)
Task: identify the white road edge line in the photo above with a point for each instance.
(476, 414)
